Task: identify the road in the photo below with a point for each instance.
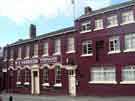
(17, 97)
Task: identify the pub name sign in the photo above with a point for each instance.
(43, 60)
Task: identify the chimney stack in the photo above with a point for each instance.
(88, 10)
(32, 33)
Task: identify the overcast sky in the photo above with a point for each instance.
(48, 15)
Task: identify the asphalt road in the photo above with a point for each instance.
(16, 97)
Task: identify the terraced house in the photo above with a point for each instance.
(94, 57)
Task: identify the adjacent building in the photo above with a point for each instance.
(3, 71)
(94, 57)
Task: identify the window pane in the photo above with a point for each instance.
(128, 73)
(103, 74)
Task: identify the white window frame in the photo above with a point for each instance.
(19, 77)
(113, 21)
(86, 44)
(103, 73)
(98, 24)
(5, 54)
(27, 55)
(11, 54)
(26, 77)
(45, 49)
(128, 16)
(45, 77)
(130, 42)
(128, 73)
(71, 45)
(87, 29)
(35, 50)
(57, 47)
(19, 53)
(116, 46)
(58, 76)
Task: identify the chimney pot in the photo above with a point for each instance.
(88, 10)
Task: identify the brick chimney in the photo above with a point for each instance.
(32, 33)
(87, 10)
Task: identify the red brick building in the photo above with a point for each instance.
(95, 57)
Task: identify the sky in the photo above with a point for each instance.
(48, 15)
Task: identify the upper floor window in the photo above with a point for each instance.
(27, 51)
(19, 53)
(71, 44)
(112, 21)
(130, 42)
(103, 74)
(11, 53)
(86, 27)
(45, 49)
(87, 48)
(57, 47)
(36, 50)
(98, 24)
(114, 44)
(5, 54)
(128, 74)
(127, 17)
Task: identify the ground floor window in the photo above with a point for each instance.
(103, 74)
(27, 77)
(45, 76)
(58, 76)
(128, 73)
(19, 77)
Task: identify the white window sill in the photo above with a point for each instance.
(127, 82)
(35, 56)
(110, 26)
(11, 59)
(18, 58)
(98, 29)
(56, 53)
(68, 52)
(129, 50)
(18, 83)
(26, 83)
(103, 82)
(83, 55)
(46, 84)
(5, 59)
(85, 31)
(58, 85)
(45, 55)
(114, 52)
(27, 57)
(124, 23)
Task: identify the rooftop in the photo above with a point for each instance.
(109, 8)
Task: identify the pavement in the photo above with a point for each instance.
(18, 97)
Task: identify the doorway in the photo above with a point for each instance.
(72, 82)
(35, 82)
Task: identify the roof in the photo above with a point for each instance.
(46, 35)
(109, 8)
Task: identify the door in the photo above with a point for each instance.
(72, 82)
(35, 82)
